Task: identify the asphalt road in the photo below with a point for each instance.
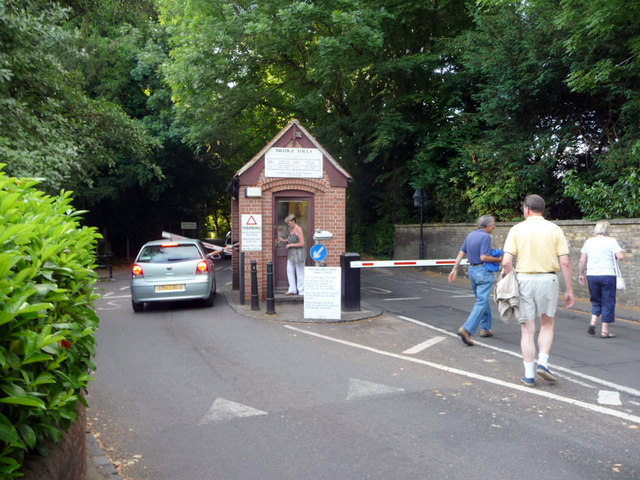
(184, 392)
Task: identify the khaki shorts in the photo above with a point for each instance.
(538, 295)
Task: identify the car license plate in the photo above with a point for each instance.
(166, 288)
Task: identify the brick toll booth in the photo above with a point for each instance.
(292, 174)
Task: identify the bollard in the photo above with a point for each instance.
(242, 278)
(255, 304)
(350, 283)
(270, 298)
(110, 265)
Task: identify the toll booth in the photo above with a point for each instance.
(292, 174)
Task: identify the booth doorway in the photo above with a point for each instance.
(300, 204)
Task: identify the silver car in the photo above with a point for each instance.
(168, 270)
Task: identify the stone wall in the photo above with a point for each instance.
(444, 241)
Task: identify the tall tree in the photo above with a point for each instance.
(132, 202)
(603, 44)
(364, 76)
(50, 128)
(556, 103)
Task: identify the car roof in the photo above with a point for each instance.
(166, 241)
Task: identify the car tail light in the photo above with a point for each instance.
(136, 270)
(165, 245)
(202, 267)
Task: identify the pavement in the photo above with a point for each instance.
(287, 308)
(290, 309)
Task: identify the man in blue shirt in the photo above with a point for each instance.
(477, 247)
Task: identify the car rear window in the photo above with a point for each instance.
(162, 254)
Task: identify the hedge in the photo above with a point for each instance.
(47, 319)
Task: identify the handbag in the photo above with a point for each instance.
(620, 283)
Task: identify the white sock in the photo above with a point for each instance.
(543, 359)
(529, 371)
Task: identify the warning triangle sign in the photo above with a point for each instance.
(251, 221)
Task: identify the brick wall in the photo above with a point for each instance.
(328, 214)
(445, 240)
(67, 458)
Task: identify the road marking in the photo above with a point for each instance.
(223, 410)
(556, 368)
(376, 290)
(424, 345)
(362, 388)
(400, 299)
(475, 376)
(607, 397)
(457, 291)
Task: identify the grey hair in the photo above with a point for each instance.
(485, 220)
(601, 228)
(290, 217)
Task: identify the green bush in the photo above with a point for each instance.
(47, 321)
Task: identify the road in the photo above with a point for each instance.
(184, 392)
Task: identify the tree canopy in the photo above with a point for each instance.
(145, 109)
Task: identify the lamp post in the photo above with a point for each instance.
(419, 199)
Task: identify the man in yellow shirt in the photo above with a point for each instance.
(540, 249)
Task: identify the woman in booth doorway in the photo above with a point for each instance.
(295, 256)
(599, 255)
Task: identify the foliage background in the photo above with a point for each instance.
(47, 321)
(145, 109)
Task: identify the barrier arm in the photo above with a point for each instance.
(210, 246)
(406, 263)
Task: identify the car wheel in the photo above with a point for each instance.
(137, 306)
(208, 302)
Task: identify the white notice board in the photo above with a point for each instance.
(251, 231)
(293, 163)
(322, 293)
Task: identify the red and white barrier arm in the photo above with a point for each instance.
(405, 263)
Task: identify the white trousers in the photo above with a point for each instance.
(295, 275)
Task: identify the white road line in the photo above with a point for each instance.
(424, 345)
(495, 381)
(556, 368)
(111, 297)
(400, 299)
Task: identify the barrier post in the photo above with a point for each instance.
(350, 283)
(242, 278)
(255, 304)
(270, 297)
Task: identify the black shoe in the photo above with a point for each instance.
(592, 330)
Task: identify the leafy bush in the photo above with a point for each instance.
(47, 322)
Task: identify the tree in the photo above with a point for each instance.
(363, 76)
(556, 108)
(603, 43)
(50, 128)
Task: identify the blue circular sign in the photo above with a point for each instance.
(318, 252)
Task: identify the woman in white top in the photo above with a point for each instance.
(598, 255)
